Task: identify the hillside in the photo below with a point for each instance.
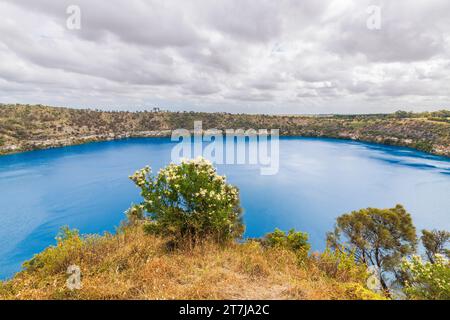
(134, 265)
(185, 241)
(24, 127)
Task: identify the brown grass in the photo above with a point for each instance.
(133, 265)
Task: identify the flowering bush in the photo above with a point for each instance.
(189, 201)
(427, 280)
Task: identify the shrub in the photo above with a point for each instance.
(189, 202)
(426, 280)
(356, 291)
(292, 240)
(57, 258)
(340, 265)
(424, 146)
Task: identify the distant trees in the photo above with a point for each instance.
(424, 146)
(21, 124)
(403, 114)
(377, 237)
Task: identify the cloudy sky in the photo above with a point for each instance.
(258, 56)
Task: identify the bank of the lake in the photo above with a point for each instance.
(25, 127)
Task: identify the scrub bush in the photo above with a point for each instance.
(427, 280)
(341, 265)
(292, 240)
(57, 258)
(189, 202)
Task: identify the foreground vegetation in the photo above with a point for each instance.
(136, 265)
(24, 127)
(181, 243)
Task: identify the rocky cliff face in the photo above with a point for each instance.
(24, 127)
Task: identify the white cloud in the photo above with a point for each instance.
(266, 56)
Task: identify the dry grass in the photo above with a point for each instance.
(133, 265)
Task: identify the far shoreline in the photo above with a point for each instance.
(133, 137)
(36, 127)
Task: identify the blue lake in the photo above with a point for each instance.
(87, 187)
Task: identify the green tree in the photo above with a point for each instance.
(435, 242)
(402, 114)
(377, 237)
(189, 201)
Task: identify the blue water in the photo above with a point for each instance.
(87, 187)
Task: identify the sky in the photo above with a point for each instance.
(251, 56)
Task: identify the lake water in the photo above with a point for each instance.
(87, 187)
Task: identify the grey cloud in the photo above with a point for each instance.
(202, 87)
(255, 96)
(136, 21)
(409, 32)
(247, 20)
(222, 54)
